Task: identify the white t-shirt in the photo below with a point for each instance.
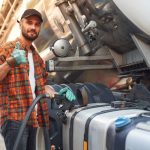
(31, 74)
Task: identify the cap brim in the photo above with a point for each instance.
(33, 15)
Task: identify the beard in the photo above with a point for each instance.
(30, 37)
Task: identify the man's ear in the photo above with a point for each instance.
(20, 24)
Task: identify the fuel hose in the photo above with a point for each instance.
(24, 123)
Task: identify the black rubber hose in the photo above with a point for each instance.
(21, 130)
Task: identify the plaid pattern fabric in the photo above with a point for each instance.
(15, 91)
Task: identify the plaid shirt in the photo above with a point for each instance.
(15, 90)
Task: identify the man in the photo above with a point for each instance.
(22, 78)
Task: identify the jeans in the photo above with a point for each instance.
(10, 131)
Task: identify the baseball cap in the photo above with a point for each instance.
(31, 12)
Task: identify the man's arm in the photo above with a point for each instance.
(4, 69)
(17, 57)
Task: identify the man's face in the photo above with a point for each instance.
(30, 27)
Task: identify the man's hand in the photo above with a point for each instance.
(67, 92)
(49, 90)
(18, 56)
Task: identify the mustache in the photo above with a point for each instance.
(32, 30)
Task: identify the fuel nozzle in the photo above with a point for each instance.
(63, 105)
